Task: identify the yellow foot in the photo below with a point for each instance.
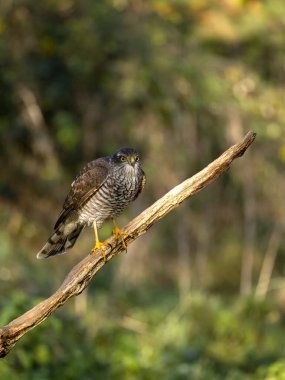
(119, 235)
(100, 246)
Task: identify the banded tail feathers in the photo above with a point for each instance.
(63, 238)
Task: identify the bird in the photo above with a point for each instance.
(100, 192)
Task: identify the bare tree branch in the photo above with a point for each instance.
(80, 276)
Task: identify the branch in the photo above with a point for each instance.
(80, 276)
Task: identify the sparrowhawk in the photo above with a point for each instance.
(101, 191)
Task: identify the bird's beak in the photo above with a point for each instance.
(132, 160)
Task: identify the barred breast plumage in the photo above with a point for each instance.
(101, 191)
(119, 189)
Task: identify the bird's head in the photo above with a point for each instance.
(127, 156)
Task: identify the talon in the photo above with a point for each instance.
(119, 235)
(100, 246)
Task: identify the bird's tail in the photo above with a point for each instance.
(63, 238)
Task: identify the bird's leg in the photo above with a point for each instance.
(98, 244)
(119, 234)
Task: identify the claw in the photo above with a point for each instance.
(100, 246)
(119, 235)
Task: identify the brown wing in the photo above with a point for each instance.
(85, 185)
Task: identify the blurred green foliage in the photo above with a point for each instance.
(139, 338)
(201, 296)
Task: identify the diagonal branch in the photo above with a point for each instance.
(80, 276)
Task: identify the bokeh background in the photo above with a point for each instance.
(201, 295)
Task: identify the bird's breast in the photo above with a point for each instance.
(119, 189)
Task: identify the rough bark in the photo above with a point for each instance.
(80, 276)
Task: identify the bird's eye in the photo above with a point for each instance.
(137, 159)
(123, 158)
